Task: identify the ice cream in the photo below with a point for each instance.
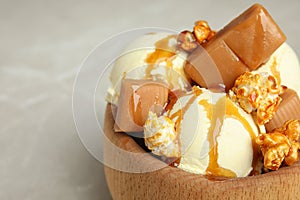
(216, 135)
(239, 79)
(284, 65)
(152, 56)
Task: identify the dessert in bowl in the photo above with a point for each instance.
(208, 115)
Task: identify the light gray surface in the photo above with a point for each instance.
(42, 45)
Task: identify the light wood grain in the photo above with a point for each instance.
(174, 183)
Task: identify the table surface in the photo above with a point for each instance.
(42, 46)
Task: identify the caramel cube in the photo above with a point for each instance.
(253, 36)
(215, 65)
(288, 109)
(243, 45)
(137, 98)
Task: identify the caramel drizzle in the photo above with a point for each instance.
(172, 99)
(163, 53)
(233, 112)
(275, 71)
(178, 116)
(216, 114)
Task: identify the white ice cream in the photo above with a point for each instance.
(152, 56)
(211, 121)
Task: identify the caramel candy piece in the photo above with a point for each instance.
(288, 109)
(253, 36)
(243, 45)
(214, 65)
(137, 97)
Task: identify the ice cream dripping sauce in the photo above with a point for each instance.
(178, 115)
(164, 52)
(275, 71)
(233, 112)
(216, 114)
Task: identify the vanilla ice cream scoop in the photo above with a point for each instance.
(217, 137)
(152, 56)
(284, 65)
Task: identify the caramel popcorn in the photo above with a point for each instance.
(282, 144)
(160, 136)
(258, 93)
(202, 31)
(188, 41)
(291, 129)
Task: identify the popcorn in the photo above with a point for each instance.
(188, 41)
(282, 144)
(160, 136)
(202, 31)
(258, 93)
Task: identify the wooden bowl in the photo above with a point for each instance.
(174, 183)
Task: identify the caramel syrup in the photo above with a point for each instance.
(162, 53)
(275, 71)
(233, 112)
(216, 114)
(178, 116)
(172, 99)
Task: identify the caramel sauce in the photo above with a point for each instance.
(163, 53)
(136, 107)
(233, 112)
(172, 99)
(197, 91)
(178, 116)
(275, 71)
(216, 114)
(176, 94)
(174, 162)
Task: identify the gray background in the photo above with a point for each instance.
(42, 45)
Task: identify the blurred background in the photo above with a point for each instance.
(42, 46)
